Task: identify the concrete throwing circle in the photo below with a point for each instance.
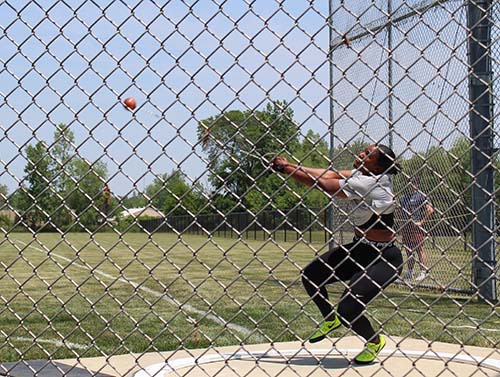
(321, 362)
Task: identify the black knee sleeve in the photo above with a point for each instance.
(349, 310)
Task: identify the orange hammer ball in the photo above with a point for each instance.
(130, 103)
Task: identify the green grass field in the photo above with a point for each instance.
(108, 294)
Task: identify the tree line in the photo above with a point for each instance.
(62, 190)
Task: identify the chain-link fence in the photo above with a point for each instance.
(139, 209)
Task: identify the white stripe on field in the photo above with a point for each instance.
(473, 328)
(161, 295)
(57, 343)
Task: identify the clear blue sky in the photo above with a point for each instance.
(74, 62)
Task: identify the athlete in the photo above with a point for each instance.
(371, 261)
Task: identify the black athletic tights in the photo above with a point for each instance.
(368, 270)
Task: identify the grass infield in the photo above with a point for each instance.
(83, 296)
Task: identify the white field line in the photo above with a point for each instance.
(57, 343)
(161, 295)
(473, 328)
(475, 320)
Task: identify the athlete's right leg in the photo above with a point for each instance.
(332, 266)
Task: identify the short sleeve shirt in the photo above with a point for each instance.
(371, 194)
(413, 206)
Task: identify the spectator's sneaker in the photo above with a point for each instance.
(370, 352)
(325, 328)
(421, 277)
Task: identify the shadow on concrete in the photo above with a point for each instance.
(44, 368)
(328, 362)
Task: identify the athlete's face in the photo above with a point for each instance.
(367, 161)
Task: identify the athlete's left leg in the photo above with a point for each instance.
(364, 286)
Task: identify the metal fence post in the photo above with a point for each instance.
(481, 131)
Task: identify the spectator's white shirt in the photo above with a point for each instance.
(372, 194)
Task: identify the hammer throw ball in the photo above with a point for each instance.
(130, 103)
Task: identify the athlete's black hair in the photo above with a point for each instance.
(387, 160)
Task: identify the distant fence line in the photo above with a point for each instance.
(309, 224)
(247, 224)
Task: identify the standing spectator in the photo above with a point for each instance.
(416, 209)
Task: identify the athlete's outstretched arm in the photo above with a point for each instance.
(327, 180)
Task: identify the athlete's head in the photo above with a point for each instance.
(377, 159)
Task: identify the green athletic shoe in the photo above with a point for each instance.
(325, 328)
(370, 352)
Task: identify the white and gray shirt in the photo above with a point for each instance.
(371, 194)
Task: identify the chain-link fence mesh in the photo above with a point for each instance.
(139, 211)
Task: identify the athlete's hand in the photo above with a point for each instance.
(279, 163)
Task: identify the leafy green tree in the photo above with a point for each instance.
(174, 196)
(63, 169)
(5, 206)
(135, 200)
(64, 157)
(4, 193)
(36, 198)
(227, 139)
(223, 202)
(86, 198)
(18, 198)
(61, 187)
